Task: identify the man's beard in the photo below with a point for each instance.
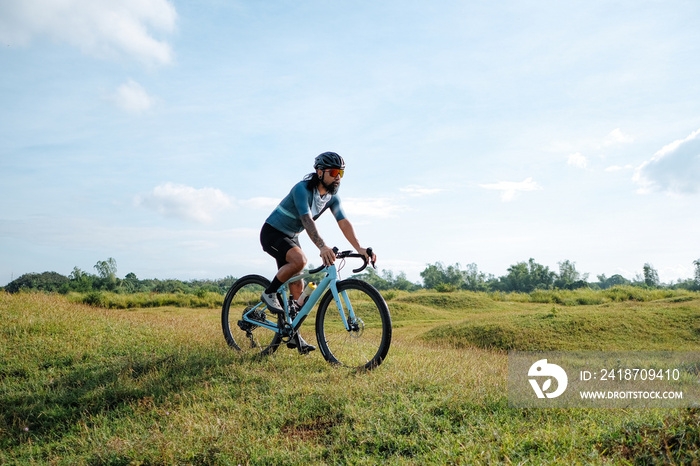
(331, 188)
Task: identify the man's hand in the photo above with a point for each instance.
(327, 255)
(363, 251)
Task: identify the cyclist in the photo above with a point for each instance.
(297, 212)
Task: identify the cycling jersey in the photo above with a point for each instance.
(301, 201)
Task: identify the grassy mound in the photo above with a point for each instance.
(450, 301)
(656, 325)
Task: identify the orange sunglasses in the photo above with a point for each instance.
(335, 172)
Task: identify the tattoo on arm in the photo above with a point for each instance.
(310, 227)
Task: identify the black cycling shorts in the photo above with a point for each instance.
(277, 244)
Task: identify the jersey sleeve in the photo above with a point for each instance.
(337, 208)
(300, 196)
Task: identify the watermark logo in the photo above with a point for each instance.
(543, 369)
(603, 379)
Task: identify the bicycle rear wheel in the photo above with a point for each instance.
(367, 342)
(241, 298)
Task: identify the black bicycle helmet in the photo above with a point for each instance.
(329, 160)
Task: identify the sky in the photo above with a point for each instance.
(163, 133)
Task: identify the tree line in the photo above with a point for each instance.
(523, 277)
(106, 280)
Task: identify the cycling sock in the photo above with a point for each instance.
(274, 286)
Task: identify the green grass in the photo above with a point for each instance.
(110, 300)
(87, 385)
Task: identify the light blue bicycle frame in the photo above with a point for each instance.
(329, 281)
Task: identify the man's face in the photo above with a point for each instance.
(330, 182)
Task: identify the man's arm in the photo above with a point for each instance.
(327, 254)
(349, 233)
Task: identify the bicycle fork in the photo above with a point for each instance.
(353, 324)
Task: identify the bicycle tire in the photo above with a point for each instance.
(366, 345)
(242, 296)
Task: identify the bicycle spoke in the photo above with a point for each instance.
(244, 299)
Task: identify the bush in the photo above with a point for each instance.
(445, 288)
(94, 298)
(46, 281)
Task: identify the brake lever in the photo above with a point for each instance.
(369, 254)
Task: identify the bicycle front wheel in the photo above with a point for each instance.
(366, 344)
(242, 298)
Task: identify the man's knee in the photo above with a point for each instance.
(296, 258)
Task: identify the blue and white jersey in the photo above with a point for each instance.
(301, 201)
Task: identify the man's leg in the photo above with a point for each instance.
(290, 264)
(296, 260)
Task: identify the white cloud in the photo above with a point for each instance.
(617, 168)
(511, 189)
(578, 160)
(373, 207)
(267, 203)
(616, 136)
(101, 28)
(185, 202)
(674, 169)
(132, 97)
(415, 190)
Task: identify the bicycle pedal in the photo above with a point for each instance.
(293, 308)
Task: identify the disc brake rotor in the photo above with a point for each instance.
(357, 327)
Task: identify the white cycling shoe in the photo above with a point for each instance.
(272, 302)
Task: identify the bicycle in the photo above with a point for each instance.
(357, 334)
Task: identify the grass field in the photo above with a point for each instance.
(90, 385)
